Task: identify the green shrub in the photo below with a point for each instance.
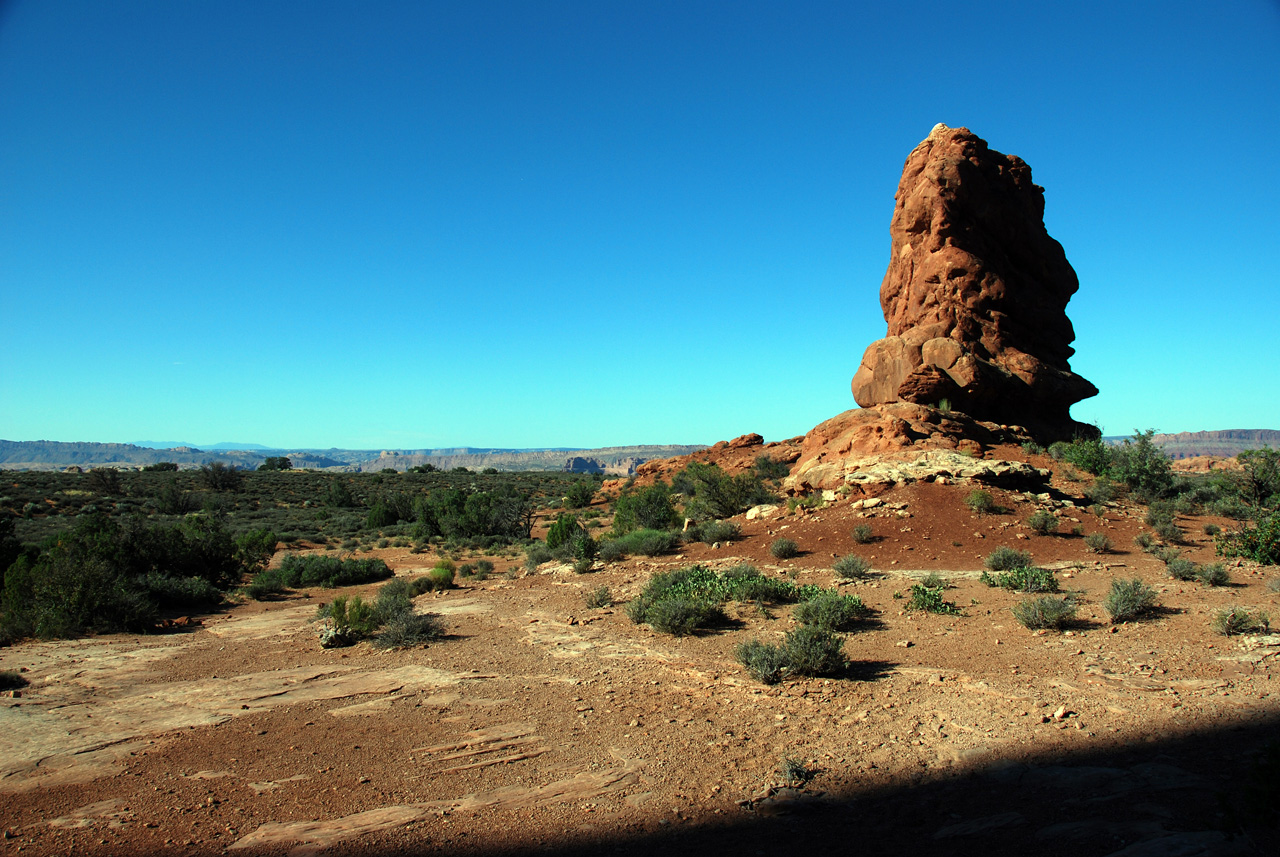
(713, 493)
(1140, 465)
(1260, 543)
(1182, 569)
(535, 555)
(392, 600)
(645, 509)
(408, 629)
(441, 576)
(682, 616)
(1087, 453)
(265, 584)
(784, 548)
(764, 662)
(565, 530)
(1239, 620)
(933, 580)
(831, 611)
(1129, 599)
(1212, 529)
(219, 476)
(598, 597)
(611, 551)
(930, 600)
(1030, 447)
(299, 570)
(1169, 532)
(181, 591)
(1043, 522)
(583, 565)
(771, 468)
(814, 651)
(710, 532)
(1098, 543)
(1103, 490)
(1144, 541)
(1025, 579)
(702, 585)
(352, 617)
(12, 680)
(648, 542)
(980, 502)
(1005, 558)
(1045, 611)
(862, 534)
(851, 567)
(581, 492)
(1166, 554)
(1213, 574)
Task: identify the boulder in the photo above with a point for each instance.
(975, 294)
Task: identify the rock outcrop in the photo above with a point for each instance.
(975, 294)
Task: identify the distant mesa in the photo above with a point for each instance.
(975, 294)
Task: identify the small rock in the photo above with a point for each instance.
(1060, 713)
(904, 644)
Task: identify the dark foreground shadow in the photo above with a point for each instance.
(1206, 793)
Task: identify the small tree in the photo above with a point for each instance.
(276, 463)
(220, 476)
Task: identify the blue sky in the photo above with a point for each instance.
(405, 225)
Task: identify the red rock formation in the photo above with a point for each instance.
(975, 294)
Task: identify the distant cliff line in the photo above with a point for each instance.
(58, 455)
(1226, 443)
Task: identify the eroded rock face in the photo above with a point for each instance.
(975, 294)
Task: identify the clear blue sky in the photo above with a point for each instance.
(403, 225)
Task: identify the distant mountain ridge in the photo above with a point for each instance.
(1225, 443)
(57, 455)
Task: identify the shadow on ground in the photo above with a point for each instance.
(1212, 792)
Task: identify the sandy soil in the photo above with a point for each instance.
(540, 724)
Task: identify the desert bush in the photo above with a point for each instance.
(1103, 490)
(299, 570)
(784, 548)
(1098, 543)
(1213, 574)
(1166, 554)
(851, 567)
(930, 600)
(1030, 447)
(12, 680)
(1005, 558)
(814, 651)
(441, 576)
(713, 493)
(611, 551)
(580, 493)
(352, 617)
(645, 509)
(1273, 585)
(702, 585)
(583, 565)
(1087, 453)
(1181, 568)
(393, 599)
(265, 584)
(862, 534)
(1024, 579)
(1140, 465)
(1239, 620)
(564, 531)
(219, 476)
(598, 597)
(408, 629)
(710, 532)
(1212, 529)
(682, 616)
(980, 502)
(764, 662)
(535, 555)
(160, 467)
(1169, 532)
(933, 580)
(647, 542)
(1129, 599)
(1043, 522)
(180, 591)
(831, 611)
(1045, 611)
(1260, 543)
(1258, 480)
(1144, 541)
(104, 480)
(770, 468)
